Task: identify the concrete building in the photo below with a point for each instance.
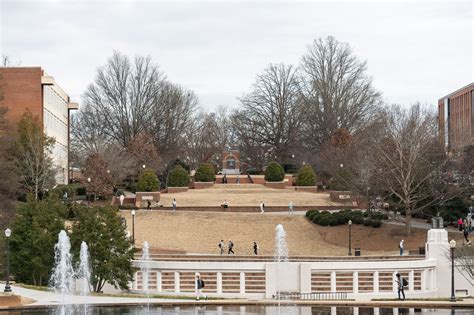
(456, 118)
(31, 89)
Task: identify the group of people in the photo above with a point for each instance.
(230, 248)
(466, 227)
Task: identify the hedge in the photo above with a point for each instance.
(178, 177)
(325, 218)
(306, 176)
(274, 172)
(205, 173)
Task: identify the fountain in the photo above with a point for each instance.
(62, 279)
(281, 247)
(83, 272)
(144, 270)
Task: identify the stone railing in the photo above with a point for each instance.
(359, 278)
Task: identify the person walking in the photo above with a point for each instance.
(221, 247)
(290, 207)
(225, 204)
(148, 205)
(174, 204)
(401, 246)
(238, 179)
(466, 234)
(262, 207)
(231, 248)
(402, 282)
(460, 224)
(121, 198)
(255, 248)
(199, 286)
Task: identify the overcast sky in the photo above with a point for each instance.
(416, 50)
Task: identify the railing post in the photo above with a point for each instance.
(219, 282)
(176, 282)
(333, 281)
(135, 280)
(242, 283)
(411, 278)
(355, 282)
(375, 280)
(159, 286)
(424, 282)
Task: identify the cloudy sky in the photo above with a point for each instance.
(416, 50)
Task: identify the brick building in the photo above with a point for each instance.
(456, 118)
(31, 89)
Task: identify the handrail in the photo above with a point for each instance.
(310, 296)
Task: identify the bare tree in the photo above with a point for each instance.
(123, 97)
(97, 176)
(272, 113)
(409, 162)
(32, 152)
(464, 256)
(336, 90)
(7, 61)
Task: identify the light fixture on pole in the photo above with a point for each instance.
(88, 195)
(350, 237)
(452, 245)
(133, 226)
(368, 199)
(143, 166)
(8, 233)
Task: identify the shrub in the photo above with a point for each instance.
(274, 172)
(385, 217)
(148, 181)
(357, 220)
(324, 220)
(341, 219)
(309, 212)
(317, 217)
(366, 214)
(368, 222)
(377, 223)
(178, 177)
(313, 214)
(128, 207)
(306, 176)
(205, 173)
(333, 221)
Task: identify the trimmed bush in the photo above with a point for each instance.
(306, 176)
(333, 221)
(324, 220)
(385, 217)
(368, 222)
(205, 173)
(358, 220)
(377, 223)
(274, 172)
(148, 181)
(178, 177)
(308, 213)
(313, 214)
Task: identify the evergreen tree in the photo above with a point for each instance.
(306, 176)
(205, 173)
(34, 232)
(148, 181)
(274, 172)
(111, 251)
(178, 177)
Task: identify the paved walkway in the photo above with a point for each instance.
(44, 298)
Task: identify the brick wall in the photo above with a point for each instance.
(22, 91)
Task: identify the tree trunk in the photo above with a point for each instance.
(408, 221)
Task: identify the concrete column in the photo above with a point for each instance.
(219, 282)
(176, 282)
(376, 281)
(376, 311)
(411, 311)
(242, 310)
(333, 281)
(411, 278)
(145, 282)
(424, 282)
(135, 281)
(333, 310)
(305, 278)
(433, 279)
(242, 283)
(355, 311)
(394, 284)
(219, 310)
(159, 286)
(355, 282)
(395, 311)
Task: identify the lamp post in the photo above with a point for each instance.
(133, 226)
(350, 237)
(368, 199)
(88, 195)
(8, 233)
(452, 245)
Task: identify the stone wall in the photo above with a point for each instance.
(202, 185)
(173, 190)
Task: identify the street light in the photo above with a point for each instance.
(143, 166)
(350, 234)
(133, 226)
(342, 165)
(368, 199)
(452, 245)
(8, 233)
(88, 195)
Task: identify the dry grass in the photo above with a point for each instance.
(246, 195)
(200, 232)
